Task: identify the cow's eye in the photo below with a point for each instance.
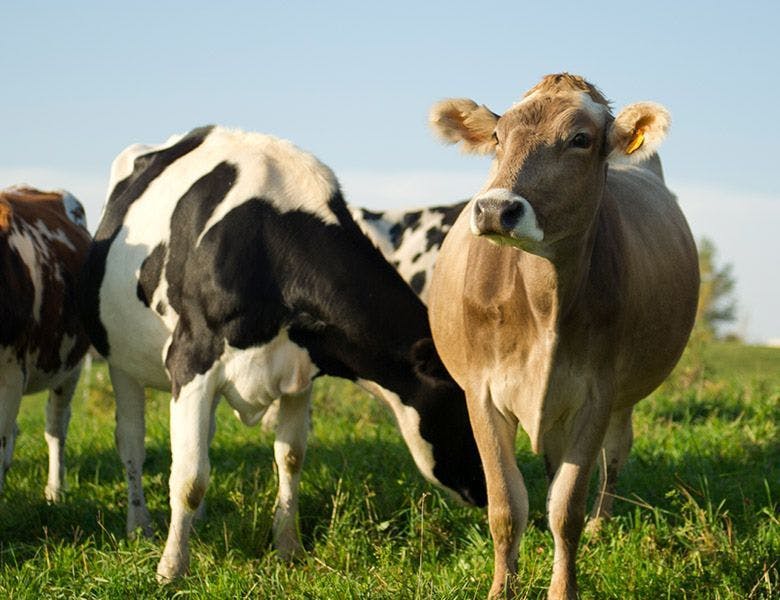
(495, 137)
(581, 140)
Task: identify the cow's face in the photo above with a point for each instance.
(551, 150)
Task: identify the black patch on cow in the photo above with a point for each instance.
(450, 214)
(369, 215)
(416, 257)
(434, 238)
(149, 278)
(146, 169)
(411, 220)
(417, 282)
(396, 233)
(189, 218)
(160, 308)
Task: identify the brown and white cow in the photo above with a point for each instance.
(564, 294)
(43, 243)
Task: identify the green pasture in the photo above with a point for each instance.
(698, 515)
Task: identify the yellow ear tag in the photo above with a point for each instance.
(639, 139)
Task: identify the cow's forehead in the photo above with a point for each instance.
(556, 111)
(560, 98)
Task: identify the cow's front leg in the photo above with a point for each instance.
(292, 429)
(571, 453)
(495, 433)
(57, 421)
(11, 389)
(191, 413)
(611, 459)
(129, 435)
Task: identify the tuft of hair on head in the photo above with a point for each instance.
(562, 82)
(463, 120)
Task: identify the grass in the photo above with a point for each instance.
(698, 516)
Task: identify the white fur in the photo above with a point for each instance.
(255, 377)
(275, 169)
(26, 247)
(73, 208)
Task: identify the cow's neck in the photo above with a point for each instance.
(569, 269)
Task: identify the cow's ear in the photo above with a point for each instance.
(462, 120)
(427, 363)
(637, 132)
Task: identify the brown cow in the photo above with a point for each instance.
(579, 309)
(43, 243)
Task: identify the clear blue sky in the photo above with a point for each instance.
(352, 82)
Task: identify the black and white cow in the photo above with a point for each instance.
(409, 239)
(227, 264)
(43, 244)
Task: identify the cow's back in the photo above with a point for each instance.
(167, 217)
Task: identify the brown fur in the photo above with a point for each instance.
(60, 270)
(564, 335)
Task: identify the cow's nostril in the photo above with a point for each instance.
(511, 215)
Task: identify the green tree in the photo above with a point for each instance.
(717, 305)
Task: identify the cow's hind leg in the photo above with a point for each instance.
(571, 455)
(11, 389)
(200, 514)
(191, 410)
(292, 428)
(129, 435)
(495, 433)
(57, 421)
(611, 459)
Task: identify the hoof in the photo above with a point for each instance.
(290, 551)
(169, 571)
(594, 527)
(53, 494)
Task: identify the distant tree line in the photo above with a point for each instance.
(717, 305)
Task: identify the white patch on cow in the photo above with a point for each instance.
(137, 348)
(254, 377)
(28, 248)
(527, 228)
(269, 168)
(409, 424)
(44, 235)
(73, 208)
(597, 111)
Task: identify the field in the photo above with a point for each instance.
(698, 515)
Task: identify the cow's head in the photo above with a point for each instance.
(551, 150)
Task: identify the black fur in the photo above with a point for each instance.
(151, 270)
(417, 282)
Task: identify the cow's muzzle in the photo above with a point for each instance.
(500, 213)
